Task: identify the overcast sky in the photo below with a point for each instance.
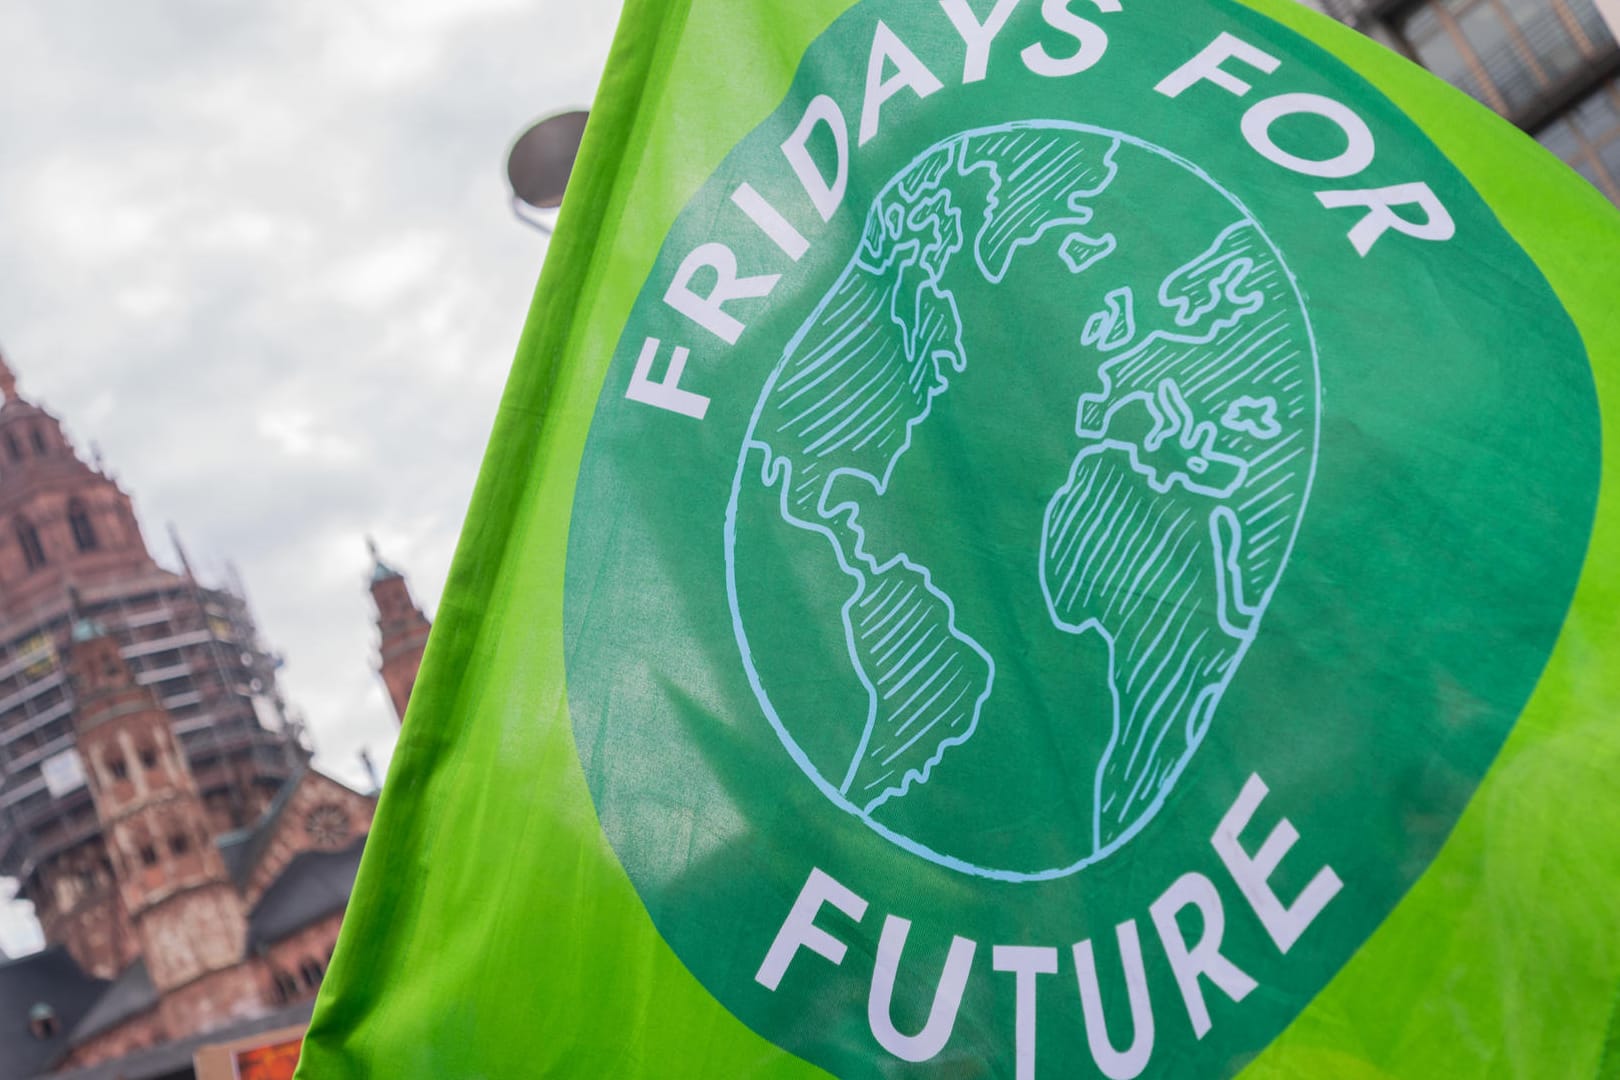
(262, 255)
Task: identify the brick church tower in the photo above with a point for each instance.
(66, 525)
(403, 629)
(187, 863)
(188, 916)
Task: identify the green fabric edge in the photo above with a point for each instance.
(380, 953)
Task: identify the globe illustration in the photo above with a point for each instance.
(1018, 492)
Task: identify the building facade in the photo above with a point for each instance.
(187, 865)
(1552, 67)
(69, 537)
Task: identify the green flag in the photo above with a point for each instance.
(1025, 539)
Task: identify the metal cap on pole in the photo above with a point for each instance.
(539, 164)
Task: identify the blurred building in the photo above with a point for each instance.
(188, 867)
(1550, 66)
(402, 629)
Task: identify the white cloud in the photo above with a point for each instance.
(148, 301)
(262, 255)
(385, 274)
(295, 433)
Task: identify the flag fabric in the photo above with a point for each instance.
(1026, 538)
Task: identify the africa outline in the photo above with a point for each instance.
(1175, 448)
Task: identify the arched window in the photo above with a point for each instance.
(13, 447)
(84, 532)
(37, 437)
(286, 986)
(28, 540)
(312, 973)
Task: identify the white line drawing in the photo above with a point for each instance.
(1253, 416)
(1152, 442)
(1115, 327)
(1166, 539)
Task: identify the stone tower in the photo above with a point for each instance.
(66, 524)
(188, 916)
(403, 629)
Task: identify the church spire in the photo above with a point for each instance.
(380, 571)
(402, 630)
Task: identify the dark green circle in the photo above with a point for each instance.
(1455, 485)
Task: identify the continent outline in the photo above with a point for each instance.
(1104, 335)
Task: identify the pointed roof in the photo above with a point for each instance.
(314, 885)
(380, 571)
(243, 848)
(130, 995)
(85, 629)
(8, 381)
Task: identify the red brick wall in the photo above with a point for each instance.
(404, 633)
(399, 674)
(98, 934)
(303, 958)
(137, 1034)
(40, 493)
(216, 1000)
(192, 934)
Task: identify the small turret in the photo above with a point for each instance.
(171, 877)
(402, 628)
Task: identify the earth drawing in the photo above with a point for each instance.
(1193, 387)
